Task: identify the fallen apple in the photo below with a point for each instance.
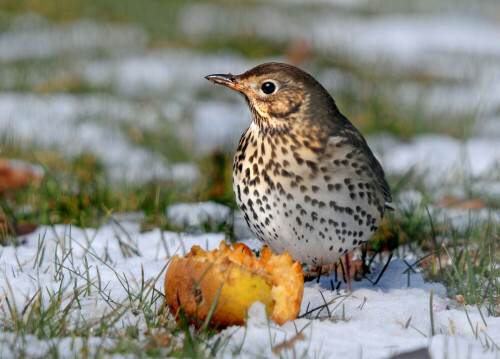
(225, 282)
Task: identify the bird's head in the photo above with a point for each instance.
(280, 96)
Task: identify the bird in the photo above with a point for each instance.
(303, 175)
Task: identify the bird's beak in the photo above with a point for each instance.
(225, 80)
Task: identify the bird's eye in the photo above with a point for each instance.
(268, 87)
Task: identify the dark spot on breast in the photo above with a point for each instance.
(312, 165)
(298, 158)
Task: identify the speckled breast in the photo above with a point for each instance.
(316, 202)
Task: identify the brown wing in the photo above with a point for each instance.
(356, 139)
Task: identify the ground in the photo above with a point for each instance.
(129, 151)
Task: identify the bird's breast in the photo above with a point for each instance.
(295, 198)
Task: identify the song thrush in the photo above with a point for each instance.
(303, 175)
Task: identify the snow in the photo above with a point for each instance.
(441, 158)
(388, 318)
(404, 39)
(172, 79)
(424, 44)
(372, 321)
(33, 38)
(151, 86)
(76, 124)
(192, 216)
(178, 72)
(195, 214)
(218, 125)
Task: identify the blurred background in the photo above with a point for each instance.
(104, 107)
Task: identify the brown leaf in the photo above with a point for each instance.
(15, 175)
(289, 344)
(298, 53)
(158, 339)
(469, 204)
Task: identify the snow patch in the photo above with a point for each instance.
(79, 38)
(90, 124)
(196, 214)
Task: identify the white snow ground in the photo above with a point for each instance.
(372, 322)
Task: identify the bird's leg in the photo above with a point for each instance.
(348, 272)
(319, 273)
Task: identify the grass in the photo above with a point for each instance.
(70, 194)
(76, 191)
